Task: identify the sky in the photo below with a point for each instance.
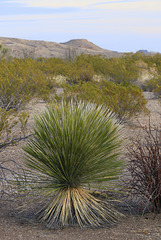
(118, 25)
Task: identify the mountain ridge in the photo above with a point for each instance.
(22, 48)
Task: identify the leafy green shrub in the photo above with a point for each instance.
(53, 66)
(98, 63)
(80, 72)
(20, 81)
(118, 70)
(154, 85)
(122, 70)
(74, 150)
(125, 101)
(145, 167)
(3, 51)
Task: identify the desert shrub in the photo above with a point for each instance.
(97, 62)
(122, 70)
(3, 52)
(74, 150)
(80, 70)
(125, 101)
(8, 121)
(85, 66)
(9, 169)
(154, 85)
(20, 81)
(83, 74)
(53, 66)
(144, 154)
(13, 128)
(117, 70)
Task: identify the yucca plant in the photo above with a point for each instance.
(74, 150)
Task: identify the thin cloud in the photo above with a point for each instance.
(121, 5)
(117, 1)
(136, 5)
(54, 4)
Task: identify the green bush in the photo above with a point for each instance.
(3, 52)
(154, 85)
(74, 150)
(80, 70)
(20, 81)
(122, 70)
(125, 101)
(53, 66)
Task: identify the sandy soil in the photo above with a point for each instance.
(15, 225)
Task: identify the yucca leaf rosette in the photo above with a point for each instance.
(74, 150)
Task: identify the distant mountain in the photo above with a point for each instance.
(21, 48)
(82, 43)
(143, 51)
(146, 52)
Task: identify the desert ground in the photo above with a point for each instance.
(16, 225)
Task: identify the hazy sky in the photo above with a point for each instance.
(119, 25)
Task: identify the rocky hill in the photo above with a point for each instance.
(21, 48)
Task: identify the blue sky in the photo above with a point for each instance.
(119, 25)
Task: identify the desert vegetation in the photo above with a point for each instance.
(74, 147)
(3, 51)
(24, 79)
(74, 151)
(144, 154)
